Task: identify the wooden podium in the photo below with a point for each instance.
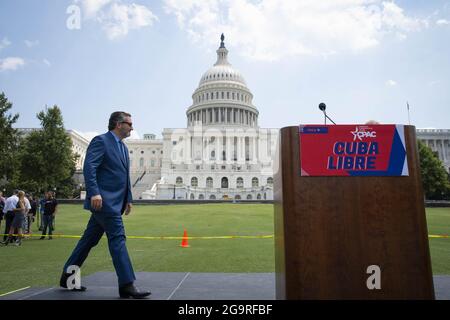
(329, 230)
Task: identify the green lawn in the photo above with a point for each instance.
(38, 263)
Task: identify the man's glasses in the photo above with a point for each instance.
(128, 123)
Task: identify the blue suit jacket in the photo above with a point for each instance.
(106, 173)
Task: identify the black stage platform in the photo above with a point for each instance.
(182, 286)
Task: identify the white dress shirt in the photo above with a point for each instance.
(10, 203)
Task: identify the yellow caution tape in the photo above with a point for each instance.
(438, 236)
(155, 238)
(187, 238)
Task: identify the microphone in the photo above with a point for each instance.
(323, 107)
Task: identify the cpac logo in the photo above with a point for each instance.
(363, 134)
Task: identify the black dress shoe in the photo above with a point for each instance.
(130, 291)
(63, 282)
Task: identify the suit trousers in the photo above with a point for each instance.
(111, 224)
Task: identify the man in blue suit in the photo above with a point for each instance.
(107, 178)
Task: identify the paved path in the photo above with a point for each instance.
(183, 286)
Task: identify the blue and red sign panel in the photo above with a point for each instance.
(352, 150)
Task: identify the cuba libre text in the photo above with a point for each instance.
(353, 156)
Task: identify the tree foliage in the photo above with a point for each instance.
(435, 179)
(9, 140)
(47, 160)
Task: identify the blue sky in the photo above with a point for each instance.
(364, 59)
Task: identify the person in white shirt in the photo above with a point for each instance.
(8, 210)
(17, 223)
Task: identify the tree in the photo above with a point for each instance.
(47, 160)
(435, 179)
(9, 140)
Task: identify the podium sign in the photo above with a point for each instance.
(358, 233)
(353, 150)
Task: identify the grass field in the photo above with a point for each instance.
(38, 263)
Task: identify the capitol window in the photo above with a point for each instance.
(194, 182)
(179, 180)
(270, 181)
(239, 182)
(209, 182)
(224, 182)
(255, 182)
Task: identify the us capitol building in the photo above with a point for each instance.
(223, 153)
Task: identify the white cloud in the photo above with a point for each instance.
(92, 7)
(11, 63)
(47, 62)
(30, 43)
(120, 19)
(272, 29)
(391, 83)
(442, 22)
(4, 43)
(116, 18)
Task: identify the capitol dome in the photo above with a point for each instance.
(222, 71)
(222, 96)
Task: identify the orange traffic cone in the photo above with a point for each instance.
(184, 242)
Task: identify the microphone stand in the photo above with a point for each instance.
(323, 107)
(327, 117)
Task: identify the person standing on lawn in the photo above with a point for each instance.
(50, 209)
